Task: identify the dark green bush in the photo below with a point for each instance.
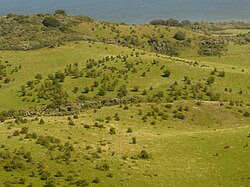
(168, 105)
(96, 180)
(144, 155)
(129, 130)
(45, 175)
(24, 130)
(112, 131)
(16, 133)
(59, 174)
(102, 167)
(41, 121)
(51, 22)
(134, 140)
(210, 80)
(179, 115)
(166, 73)
(71, 122)
(179, 36)
(246, 114)
(81, 183)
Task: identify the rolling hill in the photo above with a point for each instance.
(87, 103)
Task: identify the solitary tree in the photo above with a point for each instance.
(166, 73)
(179, 36)
(210, 80)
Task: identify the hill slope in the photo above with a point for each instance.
(113, 106)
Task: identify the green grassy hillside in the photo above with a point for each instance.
(97, 71)
(104, 146)
(101, 104)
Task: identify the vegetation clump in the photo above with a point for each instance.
(212, 47)
(51, 22)
(179, 36)
(144, 155)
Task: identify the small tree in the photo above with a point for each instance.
(135, 89)
(144, 92)
(122, 91)
(38, 77)
(6, 80)
(101, 92)
(112, 130)
(59, 174)
(179, 36)
(116, 117)
(166, 73)
(24, 130)
(222, 74)
(246, 114)
(96, 180)
(60, 76)
(50, 183)
(72, 123)
(86, 90)
(134, 140)
(210, 80)
(51, 22)
(16, 133)
(75, 90)
(41, 121)
(129, 130)
(144, 155)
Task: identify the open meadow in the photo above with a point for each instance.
(104, 104)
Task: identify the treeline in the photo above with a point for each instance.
(171, 22)
(202, 26)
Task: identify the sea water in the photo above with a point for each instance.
(136, 11)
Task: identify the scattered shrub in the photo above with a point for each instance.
(16, 133)
(102, 167)
(81, 183)
(71, 122)
(51, 22)
(41, 121)
(129, 130)
(144, 155)
(179, 36)
(134, 140)
(246, 114)
(96, 180)
(59, 174)
(112, 131)
(24, 130)
(166, 73)
(210, 80)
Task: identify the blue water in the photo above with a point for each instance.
(136, 11)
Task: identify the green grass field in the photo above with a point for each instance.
(203, 147)
(112, 112)
(234, 63)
